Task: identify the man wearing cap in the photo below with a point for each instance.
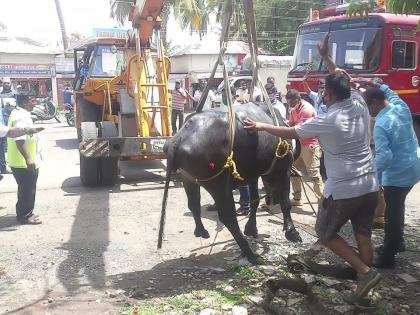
(310, 155)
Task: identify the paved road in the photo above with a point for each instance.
(97, 240)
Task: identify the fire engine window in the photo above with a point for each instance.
(403, 55)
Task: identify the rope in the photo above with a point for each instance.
(285, 147)
(230, 163)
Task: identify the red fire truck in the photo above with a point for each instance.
(378, 45)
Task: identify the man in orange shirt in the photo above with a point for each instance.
(310, 155)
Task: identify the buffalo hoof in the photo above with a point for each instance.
(293, 236)
(251, 230)
(201, 233)
(255, 259)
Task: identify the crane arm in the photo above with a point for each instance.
(145, 16)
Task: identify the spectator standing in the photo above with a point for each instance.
(179, 98)
(310, 155)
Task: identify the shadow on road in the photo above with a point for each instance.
(8, 222)
(67, 144)
(89, 240)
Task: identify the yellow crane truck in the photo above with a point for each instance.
(121, 96)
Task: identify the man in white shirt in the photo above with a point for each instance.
(242, 94)
(209, 103)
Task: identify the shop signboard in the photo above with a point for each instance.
(110, 33)
(64, 65)
(26, 70)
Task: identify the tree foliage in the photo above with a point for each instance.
(404, 6)
(277, 22)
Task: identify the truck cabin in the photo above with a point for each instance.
(380, 44)
(101, 59)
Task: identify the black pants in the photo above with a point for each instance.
(394, 217)
(177, 114)
(26, 180)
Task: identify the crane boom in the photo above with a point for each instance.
(145, 16)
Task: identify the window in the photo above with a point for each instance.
(351, 49)
(403, 55)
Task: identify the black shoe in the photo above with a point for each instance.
(385, 261)
(32, 220)
(378, 225)
(400, 248)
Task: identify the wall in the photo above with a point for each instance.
(197, 63)
(27, 58)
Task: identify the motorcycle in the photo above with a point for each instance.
(45, 110)
(69, 114)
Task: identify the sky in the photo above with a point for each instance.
(38, 19)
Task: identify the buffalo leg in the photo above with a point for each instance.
(227, 215)
(194, 197)
(251, 225)
(282, 192)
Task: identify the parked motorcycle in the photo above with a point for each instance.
(45, 110)
(69, 114)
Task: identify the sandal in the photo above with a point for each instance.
(32, 220)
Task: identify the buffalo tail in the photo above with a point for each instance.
(170, 155)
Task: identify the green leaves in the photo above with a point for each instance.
(357, 7)
(404, 6)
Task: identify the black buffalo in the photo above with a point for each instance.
(200, 150)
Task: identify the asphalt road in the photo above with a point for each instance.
(96, 241)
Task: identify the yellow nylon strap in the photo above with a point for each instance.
(230, 163)
(285, 147)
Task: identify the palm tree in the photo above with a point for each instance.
(62, 24)
(404, 6)
(190, 13)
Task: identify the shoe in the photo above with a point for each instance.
(364, 284)
(211, 208)
(242, 211)
(385, 261)
(400, 248)
(378, 225)
(296, 203)
(32, 220)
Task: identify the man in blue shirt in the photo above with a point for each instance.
(397, 161)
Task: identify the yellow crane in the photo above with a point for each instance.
(122, 98)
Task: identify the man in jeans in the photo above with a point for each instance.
(397, 160)
(22, 155)
(179, 98)
(310, 154)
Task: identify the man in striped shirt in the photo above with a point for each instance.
(179, 98)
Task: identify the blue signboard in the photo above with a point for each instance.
(25, 70)
(110, 33)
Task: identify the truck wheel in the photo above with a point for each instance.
(109, 166)
(89, 167)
